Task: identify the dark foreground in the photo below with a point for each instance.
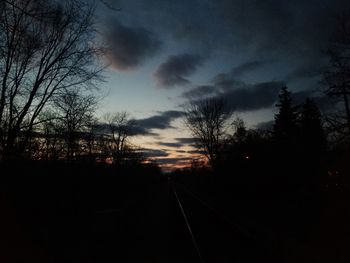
(59, 216)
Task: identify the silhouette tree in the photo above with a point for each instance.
(286, 143)
(91, 138)
(208, 121)
(247, 149)
(312, 141)
(120, 128)
(75, 112)
(240, 131)
(234, 149)
(337, 77)
(45, 48)
(285, 129)
(51, 129)
(311, 129)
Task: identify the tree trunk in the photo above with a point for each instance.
(347, 110)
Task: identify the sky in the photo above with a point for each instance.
(161, 53)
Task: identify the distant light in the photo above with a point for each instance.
(247, 157)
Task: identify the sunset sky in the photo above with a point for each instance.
(163, 52)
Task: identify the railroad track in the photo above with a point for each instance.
(214, 236)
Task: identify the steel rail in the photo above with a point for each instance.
(188, 225)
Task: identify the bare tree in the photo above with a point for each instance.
(120, 128)
(46, 47)
(75, 111)
(51, 129)
(337, 77)
(92, 138)
(240, 131)
(208, 120)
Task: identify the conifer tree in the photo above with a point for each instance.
(286, 120)
(312, 134)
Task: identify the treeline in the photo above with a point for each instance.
(50, 68)
(299, 150)
(68, 131)
(291, 154)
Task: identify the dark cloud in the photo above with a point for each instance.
(294, 32)
(303, 72)
(235, 23)
(241, 96)
(253, 97)
(198, 92)
(181, 142)
(144, 131)
(176, 19)
(176, 70)
(300, 96)
(186, 141)
(197, 152)
(152, 153)
(135, 130)
(295, 27)
(173, 161)
(170, 144)
(247, 67)
(227, 81)
(128, 47)
(160, 121)
(323, 102)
